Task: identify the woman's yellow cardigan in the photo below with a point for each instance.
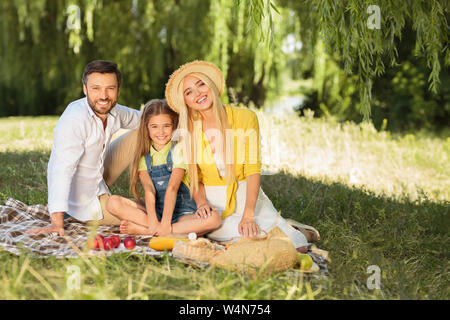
(245, 129)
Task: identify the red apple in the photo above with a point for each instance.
(108, 244)
(116, 240)
(96, 243)
(100, 242)
(129, 243)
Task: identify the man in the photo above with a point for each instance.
(76, 186)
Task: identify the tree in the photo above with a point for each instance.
(363, 35)
(45, 44)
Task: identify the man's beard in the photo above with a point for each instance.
(92, 104)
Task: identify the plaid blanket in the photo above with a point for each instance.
(16, 218)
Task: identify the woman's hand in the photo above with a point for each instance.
(248, 227)
(204, 211)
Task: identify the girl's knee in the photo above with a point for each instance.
(215, 221)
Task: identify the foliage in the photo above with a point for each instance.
(366, 51)
(45, 45)
(400, 96)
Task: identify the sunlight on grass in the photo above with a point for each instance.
(27, 133)
(356, 155)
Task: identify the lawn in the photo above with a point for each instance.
(377, 200)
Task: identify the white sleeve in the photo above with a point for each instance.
(129, 118)
(68, 148)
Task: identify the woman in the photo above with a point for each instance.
(223, 173)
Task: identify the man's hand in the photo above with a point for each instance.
(47, 229)
(57, 225)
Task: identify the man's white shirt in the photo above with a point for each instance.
(75, 169)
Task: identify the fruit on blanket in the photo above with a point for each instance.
(304, 261)
(92, 244)
(100, 241)
(108, 244)
(116, 240)
(129, 243)
(96, 243)
(165, 242)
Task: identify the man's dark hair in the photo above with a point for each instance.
(102, 66)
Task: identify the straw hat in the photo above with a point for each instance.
(176, 80)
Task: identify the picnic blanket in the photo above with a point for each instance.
(16, 218)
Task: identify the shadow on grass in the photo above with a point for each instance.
(24, 176)
(409, 241)
(314, 202)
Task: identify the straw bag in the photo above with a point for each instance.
(199, 250)
(272, 253)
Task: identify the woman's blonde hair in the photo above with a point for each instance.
(190, 122)
(143, 144)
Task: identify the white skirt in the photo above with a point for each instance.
(266, 216)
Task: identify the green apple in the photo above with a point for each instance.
(304, 261)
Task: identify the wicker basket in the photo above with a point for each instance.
(273, 253)
(201, 249)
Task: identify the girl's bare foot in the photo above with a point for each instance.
(128, 227)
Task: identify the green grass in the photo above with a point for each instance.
(376, 199)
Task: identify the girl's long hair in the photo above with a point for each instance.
(190, 121)
(143, 144)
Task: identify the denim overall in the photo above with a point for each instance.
(160, 176)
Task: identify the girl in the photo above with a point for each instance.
(160, 167)
(224, 174)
